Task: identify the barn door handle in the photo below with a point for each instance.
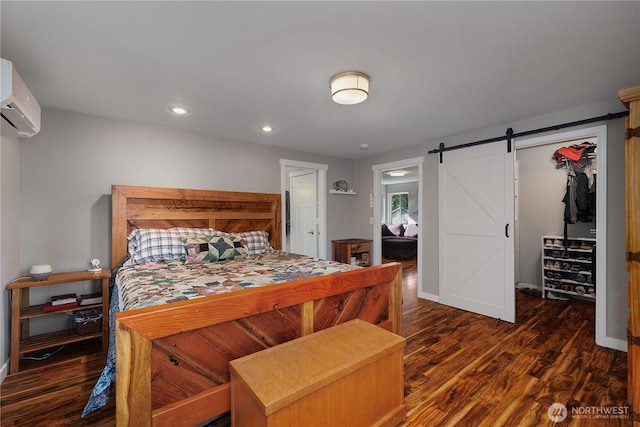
(310, 232)
(506, 230)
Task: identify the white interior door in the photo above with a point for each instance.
(303, 203)
(476, 216)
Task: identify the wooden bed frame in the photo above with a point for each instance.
(172, 360)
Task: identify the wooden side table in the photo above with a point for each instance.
(22, 312)
(343, 250)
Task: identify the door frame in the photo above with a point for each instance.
(287, 166)
(600, 133)
(377, 213)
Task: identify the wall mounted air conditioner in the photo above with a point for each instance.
(19, 107)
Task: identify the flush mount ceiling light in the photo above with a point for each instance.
(266, 128)
(179, 110)
(397, 173)
(349, 88)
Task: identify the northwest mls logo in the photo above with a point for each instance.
(557, 412)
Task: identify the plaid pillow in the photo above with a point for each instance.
(212, 248)
(188, 231)
(155, 244)
(257, 241)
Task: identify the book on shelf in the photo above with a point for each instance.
(91, 299)
(63, 299)
(49, 307)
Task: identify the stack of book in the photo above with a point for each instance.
(61, 302)
(90, 299)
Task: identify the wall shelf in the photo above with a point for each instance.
(350, 192)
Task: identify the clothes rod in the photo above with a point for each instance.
(509, 135)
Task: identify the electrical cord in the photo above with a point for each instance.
(44, 356)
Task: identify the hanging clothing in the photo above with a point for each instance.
(578, 154)
(569, 199)
(583, 198)
(580, 195)
(579, 198)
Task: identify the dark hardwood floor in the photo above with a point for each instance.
(461, 369)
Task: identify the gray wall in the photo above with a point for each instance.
(9, 231)
(56, 190)
(616, 270)
(66, 173)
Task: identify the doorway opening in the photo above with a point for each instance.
(305, 221)
(397, 201)
(597, 135)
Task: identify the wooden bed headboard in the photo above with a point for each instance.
(153, 207)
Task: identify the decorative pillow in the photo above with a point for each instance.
(386, 231)
(411, 230)
(257, 241)
(396, 229)
(151, 244)
(204, 248)
(155, 244)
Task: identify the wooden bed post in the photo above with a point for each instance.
(395, 303)
(307, 318)
(133, 388)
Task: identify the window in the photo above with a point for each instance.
(399, 208)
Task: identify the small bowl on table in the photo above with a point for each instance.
(40, 272)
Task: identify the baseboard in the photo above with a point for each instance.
(613, 343)
(428, 296)
(522, 285)
(3, 371)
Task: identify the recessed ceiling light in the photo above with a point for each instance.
(266, 128)
(179, 110)
(397, 173)
(364, 146)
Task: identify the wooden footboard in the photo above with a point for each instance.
(172, 360)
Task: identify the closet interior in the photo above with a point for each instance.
(555, 219)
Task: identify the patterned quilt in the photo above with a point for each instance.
(154, 283)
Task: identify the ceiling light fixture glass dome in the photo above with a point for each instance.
(349, 88)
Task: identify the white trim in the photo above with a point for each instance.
(303, 165)
(322, 199)
(4, 370)
(614, 343)
(599, 132)
(430, 297)
(377, 238)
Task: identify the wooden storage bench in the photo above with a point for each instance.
(350, 374)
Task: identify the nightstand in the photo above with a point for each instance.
(343, 250)
(21, 312)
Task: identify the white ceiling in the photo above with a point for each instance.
(436, 68)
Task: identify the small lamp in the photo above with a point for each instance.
(349, 88)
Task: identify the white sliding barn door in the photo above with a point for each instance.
(476, 243)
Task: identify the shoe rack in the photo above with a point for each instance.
(567, 272)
